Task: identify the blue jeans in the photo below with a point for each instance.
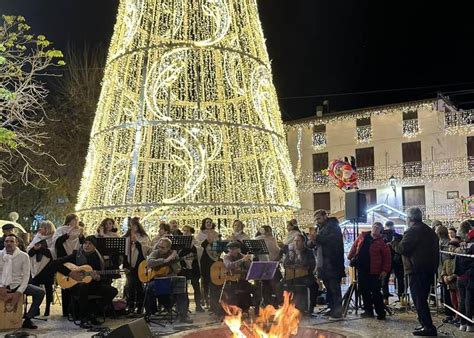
(38, 294)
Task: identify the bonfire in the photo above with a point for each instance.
(270, 323)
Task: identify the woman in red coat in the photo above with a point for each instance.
(371, 256)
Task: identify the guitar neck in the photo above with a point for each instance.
(108, 272)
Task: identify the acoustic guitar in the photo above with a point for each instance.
(146, 274)
(292, 272)
(219, 274)
(66, 282)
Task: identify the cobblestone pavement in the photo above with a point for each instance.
(400, 324)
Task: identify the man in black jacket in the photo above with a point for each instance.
(329, 239)
(87, 255)
(419, 248)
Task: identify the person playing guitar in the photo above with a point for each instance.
(166, 260)
(87, 255)
(239, 293)
(299, 265)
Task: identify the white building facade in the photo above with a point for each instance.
(411, 154)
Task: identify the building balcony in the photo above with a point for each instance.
(405, 173)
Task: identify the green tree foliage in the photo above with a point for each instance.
(24, 60)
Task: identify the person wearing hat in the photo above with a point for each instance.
(241, 292)
(87, 254)
(7, 230)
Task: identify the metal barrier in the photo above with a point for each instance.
(456, 254)
(447, 306)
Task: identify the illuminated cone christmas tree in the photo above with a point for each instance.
(188, 124)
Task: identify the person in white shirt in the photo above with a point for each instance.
(14, 277)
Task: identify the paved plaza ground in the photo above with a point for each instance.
(400, 324)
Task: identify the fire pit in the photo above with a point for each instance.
(224, 332)
(270, 323)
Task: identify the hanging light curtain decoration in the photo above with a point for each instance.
(188, 124)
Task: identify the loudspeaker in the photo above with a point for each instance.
(136, 329)
(355, 206)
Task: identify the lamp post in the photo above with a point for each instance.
(393, 183)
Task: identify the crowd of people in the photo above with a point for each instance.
(312, 261)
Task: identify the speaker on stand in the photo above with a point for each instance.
(355, 211)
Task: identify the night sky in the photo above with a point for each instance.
(319, 48)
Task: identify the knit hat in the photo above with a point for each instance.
(91, 239)
(233, 244)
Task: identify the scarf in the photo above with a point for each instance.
(72, 243)
(7, 271)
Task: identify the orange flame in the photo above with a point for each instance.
(271, 323)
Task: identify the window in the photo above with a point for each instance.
(414, 196)
(471, 188)
(365, 163)
(411, 157)
(319, 136)
(370, 197)
(363, 130)
(322, 200)
(410, 125)
(320, 162)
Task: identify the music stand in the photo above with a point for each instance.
(181, 242)
(219, 246)
(260, 271)
(256, 246)
(109, 246)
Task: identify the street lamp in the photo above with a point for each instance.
(393, 183)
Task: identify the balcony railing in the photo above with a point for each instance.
(411, 128)
(319, 140)
(459, 122)
(444, 212)
(405, 173)
(364, 134)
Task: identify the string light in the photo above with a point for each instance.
(406, 173)
(319, 140)
(364, 134)
(359, 114)
(459, 122)
(411, 128)
(188, 124)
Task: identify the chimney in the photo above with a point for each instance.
(319, 111)
(326, 107)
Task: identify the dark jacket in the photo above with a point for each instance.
(464, 266)
(419, 248)
(330, 239)
(379, 252)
